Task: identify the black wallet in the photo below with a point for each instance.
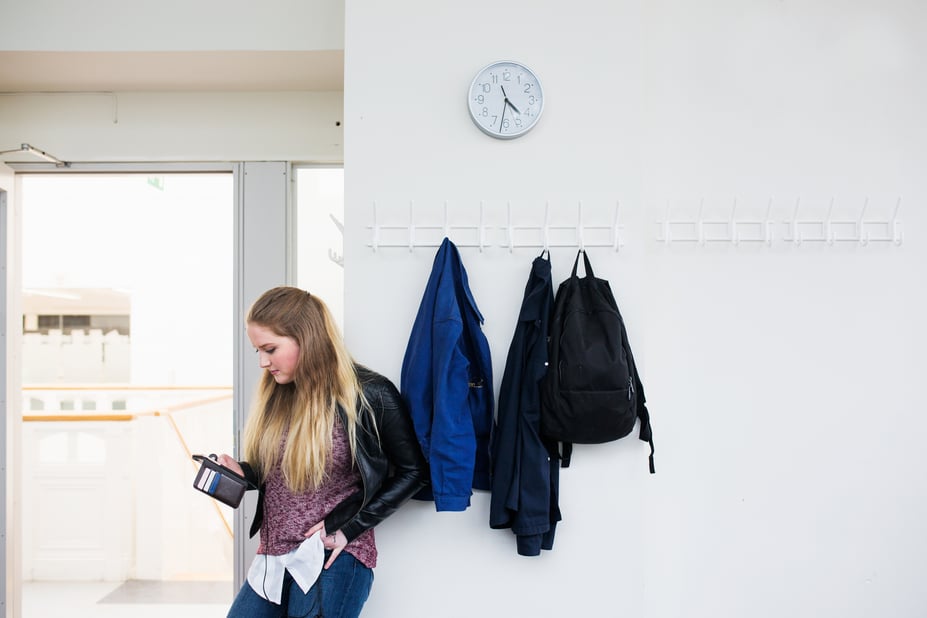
(217, 481)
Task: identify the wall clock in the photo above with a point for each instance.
(505, 99)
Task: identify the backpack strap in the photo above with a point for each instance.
(566, 454)
(648, 439)
(586, 264)
(646, 433)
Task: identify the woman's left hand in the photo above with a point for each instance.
(334, 541)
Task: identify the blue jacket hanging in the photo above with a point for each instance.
(525, 478)
(447, 383)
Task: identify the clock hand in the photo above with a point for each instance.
(510, 104)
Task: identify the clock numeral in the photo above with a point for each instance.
(485, 111)
(531, 100)
(487, 87)
(480, 99)
(528, 88)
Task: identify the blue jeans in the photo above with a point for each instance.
(345, 587)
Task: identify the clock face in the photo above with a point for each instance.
(505, 99)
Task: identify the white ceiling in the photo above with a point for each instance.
(41, 71)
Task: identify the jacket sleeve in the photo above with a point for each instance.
(453, 437)
(399, 445)
(249, 474)
(254, 483)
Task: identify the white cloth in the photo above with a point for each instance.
(304, 563)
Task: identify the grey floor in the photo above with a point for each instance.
(140, 599)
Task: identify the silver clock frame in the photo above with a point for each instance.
(497, 134)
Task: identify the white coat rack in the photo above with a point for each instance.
(333, 255)
(414, 239)
(412, 235)
(830, 230)
(796, 230)
(576, 234)
(731, 229)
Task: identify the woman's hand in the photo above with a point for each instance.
(230, 463)
(334, 541)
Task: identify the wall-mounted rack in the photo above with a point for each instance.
(796, 230)
(731, 229)
(830, 230)
(412, 239)
(333, 255)
(411, 235)
(577, 235)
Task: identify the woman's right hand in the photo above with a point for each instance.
(230, 463)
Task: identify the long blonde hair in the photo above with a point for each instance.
(303, 411)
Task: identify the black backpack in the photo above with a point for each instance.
(591, 392)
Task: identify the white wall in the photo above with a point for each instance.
(177, 126)
(781, 379)
(163, 25)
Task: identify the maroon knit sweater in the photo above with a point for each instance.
(287, 516)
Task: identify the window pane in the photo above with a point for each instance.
(320, 240)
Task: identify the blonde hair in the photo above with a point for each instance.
(303, 411)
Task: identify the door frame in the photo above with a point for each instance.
(10, 413)
(263, 257)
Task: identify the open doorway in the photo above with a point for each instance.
(127, 365)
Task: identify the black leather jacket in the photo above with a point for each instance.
(389, 459)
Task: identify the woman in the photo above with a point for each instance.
(332, 448)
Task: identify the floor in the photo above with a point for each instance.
(140, 599)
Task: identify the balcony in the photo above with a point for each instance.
(108, 508)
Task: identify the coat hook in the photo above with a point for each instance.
(546, 229)
(733, 224)
(333, 255)
(376, 228)
(336, 257)
(481, 231)
(508, 226)
(796, 237)
(666, 224)
(447, 228)
(861, 224)
(700, 224)
(896, 226)
(579, 228)
(411, 226)
(767, 223)
(616, 241)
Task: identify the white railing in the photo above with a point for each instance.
(107, 493)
